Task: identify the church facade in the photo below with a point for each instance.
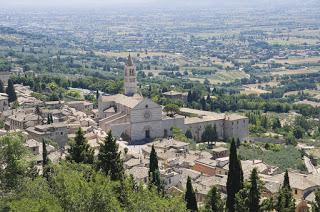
(135, 118)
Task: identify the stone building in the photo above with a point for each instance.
(57, 132)
(130, 78)
(22, 120)
(136, 118)
(81, 105)
(176, 95)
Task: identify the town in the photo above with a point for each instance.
(161, 110)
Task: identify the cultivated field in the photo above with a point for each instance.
(293, 72)
(222, 77)
(298, 60)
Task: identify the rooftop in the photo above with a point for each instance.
(139, 172)
(121, 99)
(206, 116)
(174, 93)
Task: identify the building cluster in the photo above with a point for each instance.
(134, 119)
(140, 119)
(210, 168)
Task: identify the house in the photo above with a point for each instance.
(219, 152)
(170, 177)
(81, 105)
(140, 174)
(22, 120)
(57, 132)
(176, 95)
(54, 104)
(302, 185)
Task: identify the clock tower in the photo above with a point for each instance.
(130, 78)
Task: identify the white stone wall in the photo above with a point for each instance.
(167, 124)
(236, 128)
(197, 129)
(118, 129)
(138, 130)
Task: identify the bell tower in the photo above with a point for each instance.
(130, 78)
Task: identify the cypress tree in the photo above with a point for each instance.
(97, 94)
(11, 92)
(190, 197)
(45, 160)
(1, 87)
(80, 151)
(254, 192)
(214, 202)
(285, 202)
(235, 177)
(51, 119)
(286, 182)
(188, 134)
(153, 166)
(109, 158)
(154, 173)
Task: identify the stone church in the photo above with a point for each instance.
(136, 118)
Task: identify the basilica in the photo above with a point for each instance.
(136, 118)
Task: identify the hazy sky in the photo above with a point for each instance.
(128, 3)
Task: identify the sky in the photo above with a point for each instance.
(137, 3)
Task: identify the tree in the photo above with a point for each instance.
(11, 91)
(254, 193)
(264, 122)
(45, 160)
(316, 204)
(276, 123)
(188, 134)
(285, 201)
(210, 134)
(235, 177)
(298, 132)
(109, 158)
(242, 198)
(97, 94)
(153, 165)
(171, 109)
(154, 173)
(190, 196)
(1, 87)
(267, 204)
(214, 202)
(50, 119)
(13, 166)
(286, 181)
(80, 151)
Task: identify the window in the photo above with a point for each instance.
(147, 106)
(147, 134)
(165, 133)
(295, 191)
